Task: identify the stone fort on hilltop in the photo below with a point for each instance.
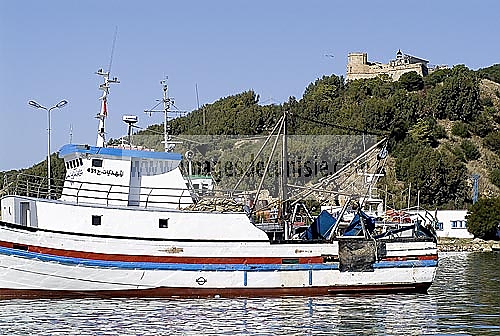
(358, 66)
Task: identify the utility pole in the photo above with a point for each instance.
(34, 104)
(475, 195)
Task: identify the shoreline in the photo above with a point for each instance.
(466, 245)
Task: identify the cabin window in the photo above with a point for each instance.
(67, 165)
(81, 161)
(439, 226)
(163, 223)
(96, 220)
(96, 163)
(458, 224)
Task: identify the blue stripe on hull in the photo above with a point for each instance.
(203, 267)
(405, 264)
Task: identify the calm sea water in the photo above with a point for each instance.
(464, 300)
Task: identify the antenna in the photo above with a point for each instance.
(101, 132)
(113, 49)
(70, 133)
(198, 103)
(197, 98)
(167, 101)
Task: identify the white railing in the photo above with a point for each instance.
(94, 192)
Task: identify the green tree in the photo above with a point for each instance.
(460, 129)
(427, 131)
(491, 73)
(457, 98)
(483, 220)
(492, 141)
(484, 122)
(439, 175)
(470, 150)
(411, 81)
(407, 109)
(437, 77)
(495, 177)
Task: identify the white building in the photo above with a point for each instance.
(452, 224)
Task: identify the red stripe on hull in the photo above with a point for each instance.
(160, 259)
(187, 260)
(216, 292)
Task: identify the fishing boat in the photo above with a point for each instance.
(126, 224)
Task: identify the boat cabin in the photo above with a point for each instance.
(123, 177)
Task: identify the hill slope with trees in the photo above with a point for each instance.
(442, 128)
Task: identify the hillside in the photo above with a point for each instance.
(442, 128)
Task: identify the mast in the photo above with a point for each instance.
(166, 108)
(284, 180)
(167, 101)
(101, 132)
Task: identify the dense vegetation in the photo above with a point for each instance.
(491, 73)
(483, 220)
(442, 128)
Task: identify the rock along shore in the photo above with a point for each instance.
(466, 245)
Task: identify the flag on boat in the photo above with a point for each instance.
(104, 110)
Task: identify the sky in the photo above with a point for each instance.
(50, 50)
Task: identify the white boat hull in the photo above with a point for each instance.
(48, 264)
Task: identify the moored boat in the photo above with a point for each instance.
(126, 223)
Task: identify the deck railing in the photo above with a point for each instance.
(30, 185)
(94, 192)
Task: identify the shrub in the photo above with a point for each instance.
(483, 124)
(495, 177)
(483, 220)
(492, 141)
(460, 129)
(486, 101)
(470, 150)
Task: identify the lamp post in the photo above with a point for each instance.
(34, 104)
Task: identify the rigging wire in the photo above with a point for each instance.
(347, 128)
(112, 50)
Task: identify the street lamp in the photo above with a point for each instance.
(34, 104)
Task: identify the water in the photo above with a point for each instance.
(464, 300)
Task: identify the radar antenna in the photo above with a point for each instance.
(167, 102)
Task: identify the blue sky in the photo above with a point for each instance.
(49, 50)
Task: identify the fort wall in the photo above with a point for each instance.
(358, 66)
